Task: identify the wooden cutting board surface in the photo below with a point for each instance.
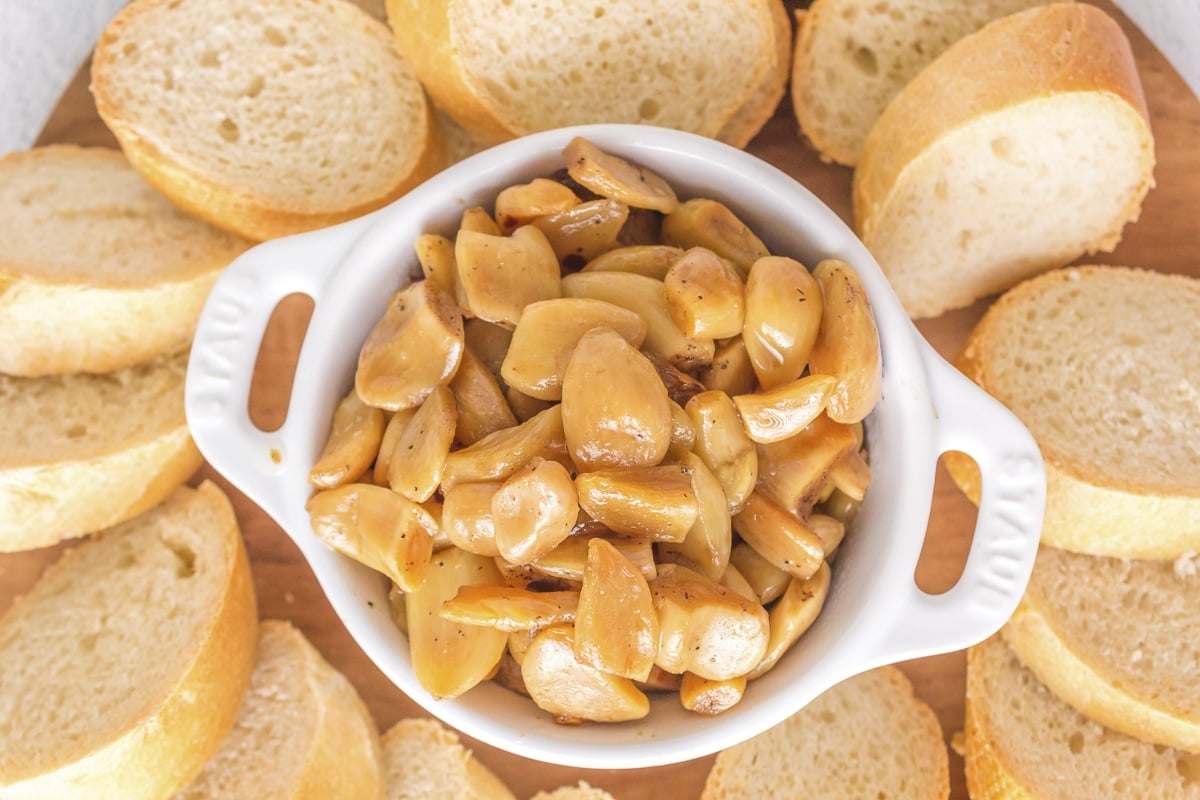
(1166, 238)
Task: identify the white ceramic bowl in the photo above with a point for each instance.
(875, 614)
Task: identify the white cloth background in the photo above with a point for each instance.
(43, 42)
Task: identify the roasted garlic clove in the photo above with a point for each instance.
(782, 412)
(534, 510)
(482, 407)
(730, 371)
(783, 315)
(377, 527)
(645, 297)
(651, 260)
(705, 628)
(500, 454)
(613, 177)
(701, 222)
(616, 626)
(583, 232)
(708, 541)
(415, 347)
(489, 341)
(722, 443)
(420, 452)
(794, 471)
(436, 256)
(568, 559)
(793, 615)
(709, 697)
(847, 346)
(522, 203)
(573, 691)
(467, 517)
(767, 581)
(510, 609)
(353, 443)
(499, 275)
(546, 337)
(705, 295)
(478, 220)
(451, 657)
(779, 537)
(656, 503)
(615, 410)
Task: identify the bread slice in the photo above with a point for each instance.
(506, 69)
(1022, 147)
(98, 271)
(748, 120)
(853, 56)
(1117, 639)
(264, 120)
(580, 791)
(1022, 742)
(84, 452)
(125, 664)
(302, 731)
(1096, 362)
(869, 736)
(424, 760)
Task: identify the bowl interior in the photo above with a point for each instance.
(873, 567)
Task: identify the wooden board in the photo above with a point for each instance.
(1165, 238)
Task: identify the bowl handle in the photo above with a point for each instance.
(1007, 528)
(226, 345)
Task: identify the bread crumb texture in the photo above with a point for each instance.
(306, 102)
(1022, 741)
(1101, 364)
(867, 737)
(687, 66)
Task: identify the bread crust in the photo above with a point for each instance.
(157, 752)
(472, 779)
(987, 778)
(240, 209)
(1069, 47)
(750, 118)
(1032, 636)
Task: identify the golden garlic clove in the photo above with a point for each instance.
(651, 260)
(478, 220)
(467, 517)
(377, 527)
(616, 626)
(568, 559)
(840, 506)
(767, 581)
(782, 412)
(534, 510)
(707, 223)
(396, 425)
(708, 541)
(830, 530)
(793, 615)
(436, 256)
(847, 346)
(353, 443)
(709, 697)
(499, 275)
(783, 316)
(613, 177)
(583, 232)
(683, 432)
(779, 537)
(509, 609)
(615, 410)
(733, 580)
(730, 371)
(655, 503)
(500, 454)
(681, 386)
(525, 407)
(705, 295)
(645, 297)
(794, 471)
(482, 407)
(572, 691)
(415, 347)
(705, 628)
(489, 341)
(522, 203)
(450, 657)
(546, 337)
(660, 681)
(420, 452)
(722, 444)
(851, 475)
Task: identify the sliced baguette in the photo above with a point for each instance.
(84, 452)
(98, 271)
(424, 760)
(1022, 147)
(748, 120)
(1023, 743)
(868, 737)
(580, 791)
(125, 665)
(853, 56)
(265, 120)
(302, 731)
(1100, 365)
(507, 69)
(1119, 640)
